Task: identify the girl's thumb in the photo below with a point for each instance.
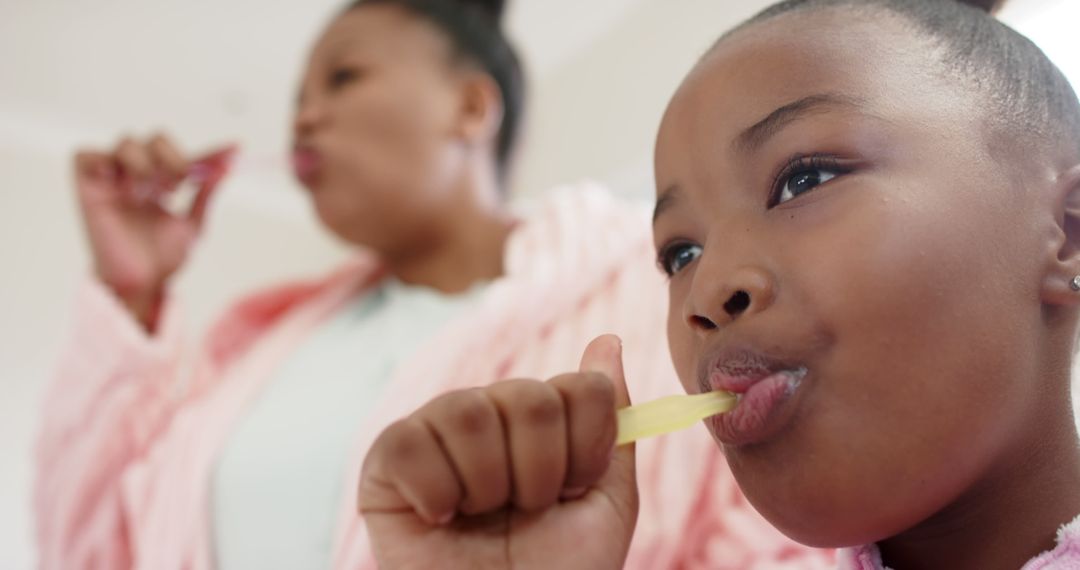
(604, 355)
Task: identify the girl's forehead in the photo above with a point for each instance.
(880, 64)
(784, 58)
(795, 85)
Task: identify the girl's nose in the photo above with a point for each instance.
(719, 299)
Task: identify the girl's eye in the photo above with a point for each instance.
(802, 174)
(803, 181)
(675, 257)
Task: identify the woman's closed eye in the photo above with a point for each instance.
(342, 76)
(802, 175)
(676, 256)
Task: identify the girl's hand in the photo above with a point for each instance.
(136, 244)
(520, 474)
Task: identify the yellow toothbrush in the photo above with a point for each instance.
(669, 414)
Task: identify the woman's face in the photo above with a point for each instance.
(376, 124)
(847, 252)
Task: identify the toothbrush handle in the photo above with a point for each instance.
(668, 414)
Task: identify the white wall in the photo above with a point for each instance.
(217, 70)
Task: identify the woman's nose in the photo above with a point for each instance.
(720, 297)
(309, 115)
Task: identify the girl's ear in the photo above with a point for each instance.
(1058, 287)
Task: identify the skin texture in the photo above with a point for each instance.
(403, 138)
(935, 417)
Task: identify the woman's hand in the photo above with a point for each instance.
(520, 474)
(136, 243)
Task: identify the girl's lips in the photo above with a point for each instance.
(306, 164)
(759, 412)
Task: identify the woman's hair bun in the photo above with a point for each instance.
(988, 6)
(493, 8)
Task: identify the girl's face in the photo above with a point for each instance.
(850, 252)
(376, 130)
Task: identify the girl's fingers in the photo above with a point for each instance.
(519, 443)
(604, 355)
(589, 399)
(535, 423)
(619, 483)
(468, 425)
(407, 468)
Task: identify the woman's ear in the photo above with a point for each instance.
(1061, 285)
(481, 112)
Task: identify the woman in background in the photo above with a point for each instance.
(242, 452)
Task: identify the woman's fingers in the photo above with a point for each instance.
(201, 204)
(92, 164)
(147, 169)
(95, 175)
(136, 169)
(142, 172)
(169, 161)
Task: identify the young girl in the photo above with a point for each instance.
(404, 131)
(870, 215)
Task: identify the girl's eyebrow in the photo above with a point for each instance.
(665, 200)
(760, 132)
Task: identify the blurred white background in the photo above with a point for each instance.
(83, 72)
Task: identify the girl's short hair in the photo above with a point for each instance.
(1029, 95)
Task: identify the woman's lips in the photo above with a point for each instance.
(306, 164)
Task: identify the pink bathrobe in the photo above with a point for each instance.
(1064, 556)
(133, 424)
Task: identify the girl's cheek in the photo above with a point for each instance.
(680, 340)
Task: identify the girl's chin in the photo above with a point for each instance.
(811, 515)
(819, 534)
